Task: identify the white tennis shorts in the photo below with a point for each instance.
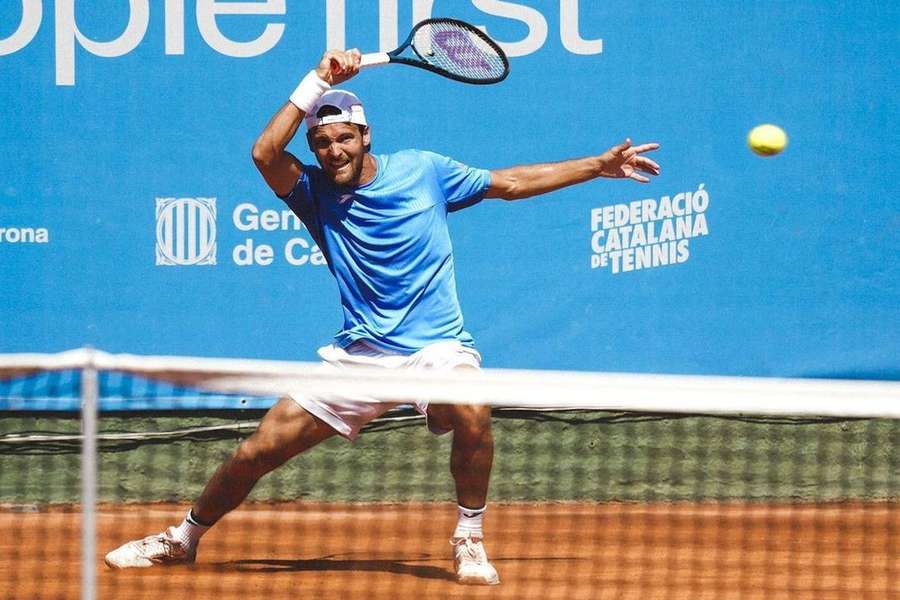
(346, 413)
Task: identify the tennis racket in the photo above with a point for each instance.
(451, 48)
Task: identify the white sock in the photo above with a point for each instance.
(190, 531)
(469, 523)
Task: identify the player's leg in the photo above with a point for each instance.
(471, 459)
(285, 431)
(472, 452)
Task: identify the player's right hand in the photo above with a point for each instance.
(337, 66)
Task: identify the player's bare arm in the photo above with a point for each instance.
(279, 167)
(624, 161)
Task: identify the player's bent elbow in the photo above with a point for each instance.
(262, 154)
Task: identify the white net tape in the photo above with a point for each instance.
(497, 387)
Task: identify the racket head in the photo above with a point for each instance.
(454, 49)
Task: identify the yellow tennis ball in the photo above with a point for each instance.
(767, 140)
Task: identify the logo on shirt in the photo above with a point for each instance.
(185, 231)
(344, 198)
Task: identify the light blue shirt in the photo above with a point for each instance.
(388, 246)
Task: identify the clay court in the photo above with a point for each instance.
(563, 550)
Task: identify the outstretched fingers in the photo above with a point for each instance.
(636, 176)
(625, 161)
(646, 165)
(640, 163)
(640, 149)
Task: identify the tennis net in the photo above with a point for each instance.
(602, 485)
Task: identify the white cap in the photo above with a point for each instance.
(350, 106)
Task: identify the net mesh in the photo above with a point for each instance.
(592, 502)
(459, 50)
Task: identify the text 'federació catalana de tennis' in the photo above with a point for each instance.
(648, 233)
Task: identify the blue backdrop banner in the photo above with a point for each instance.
(133, 219)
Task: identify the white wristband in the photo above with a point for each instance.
(310, 89)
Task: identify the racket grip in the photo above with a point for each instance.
(374, 58)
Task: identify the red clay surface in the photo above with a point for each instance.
(565, 551)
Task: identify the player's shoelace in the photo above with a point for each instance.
(468, 550)
(158, 547)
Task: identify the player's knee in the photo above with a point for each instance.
(256, 458)
(473, 421)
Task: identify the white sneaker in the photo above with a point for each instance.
(471, 561)
(159, 549)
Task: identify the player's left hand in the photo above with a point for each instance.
(625, 162)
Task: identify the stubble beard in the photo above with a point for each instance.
(350, 176)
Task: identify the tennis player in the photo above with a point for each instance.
(381, 223)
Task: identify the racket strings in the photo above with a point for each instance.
(460, 51)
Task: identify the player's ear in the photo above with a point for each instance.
(309, 141)
(367, 138)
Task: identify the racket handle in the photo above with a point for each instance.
(374, 58)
